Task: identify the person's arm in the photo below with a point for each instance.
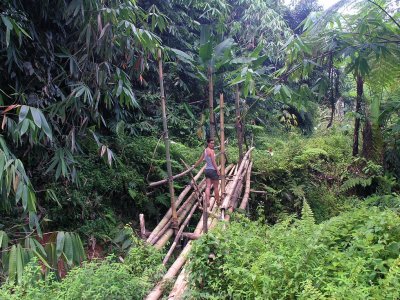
(214, 162)
(199, 160)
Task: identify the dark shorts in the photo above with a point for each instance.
(212, 174)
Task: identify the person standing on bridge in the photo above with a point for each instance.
(211, 172)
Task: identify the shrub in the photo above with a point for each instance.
(352, 256)
(106, 279)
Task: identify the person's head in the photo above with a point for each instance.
(210, 143)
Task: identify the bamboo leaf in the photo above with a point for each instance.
(20, 263)
(68, 248)
(31, 200)
(42, 259)
(25, 196)
(24, 127)
(23, 112)
(3, 240)
(46, 127)
(12, 263)
(182, 55)
(60, 243)
(36, 116)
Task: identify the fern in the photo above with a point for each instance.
(390, 284)
(309, 292)
(307, 214)
(355, 181)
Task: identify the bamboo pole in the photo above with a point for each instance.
(167, 225)
(167, 232)
(156, 293)
(222, 133)
(168, 214)
(157, 183)
(205, 215)
(191, 235)
(142, 226)
(166, 141)
(211, 102)
(195, 186)
(239, 187)
(179, 286)
(238, 123)
(178, 235)
(245, 199)
(227, 199)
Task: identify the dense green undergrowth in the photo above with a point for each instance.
(109, 196)
(349, 249)
(318, 169)
(103, 279)
(352, 256)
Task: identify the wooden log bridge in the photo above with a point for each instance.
(186, 204)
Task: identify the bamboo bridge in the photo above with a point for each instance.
(192, 198)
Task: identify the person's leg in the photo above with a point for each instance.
(208, 188)
(216, 191)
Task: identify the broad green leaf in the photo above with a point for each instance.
(237, 80)
(20, 263)
(189, 111)
(46, 127)
(23, 112)
(24, 127)
(60, 243)
(286, 91)
(127, 244)
(3, 240)
(68, 248)
(205, 52)
(182, 54)
(36, 114)
(12, 263)
(205, 34)
(223, 46)
(7, 22)
(2, 164)
(25, 196)
(42, 259)
(39, 247)
(243, 60)
(31, 200)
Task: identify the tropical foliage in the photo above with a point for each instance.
(316, 92)
(352, 256)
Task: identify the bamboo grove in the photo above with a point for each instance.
(80, 78)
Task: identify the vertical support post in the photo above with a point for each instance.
(222, 134)
(239, 128)
(205, 215)
(142, 227)
(211, 102)
(166, 141)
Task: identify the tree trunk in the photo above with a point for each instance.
(222, 134)
(166, 141)
(239, 124)
(367, 146)
(211, 102)
(360, 89)
(331, 91)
